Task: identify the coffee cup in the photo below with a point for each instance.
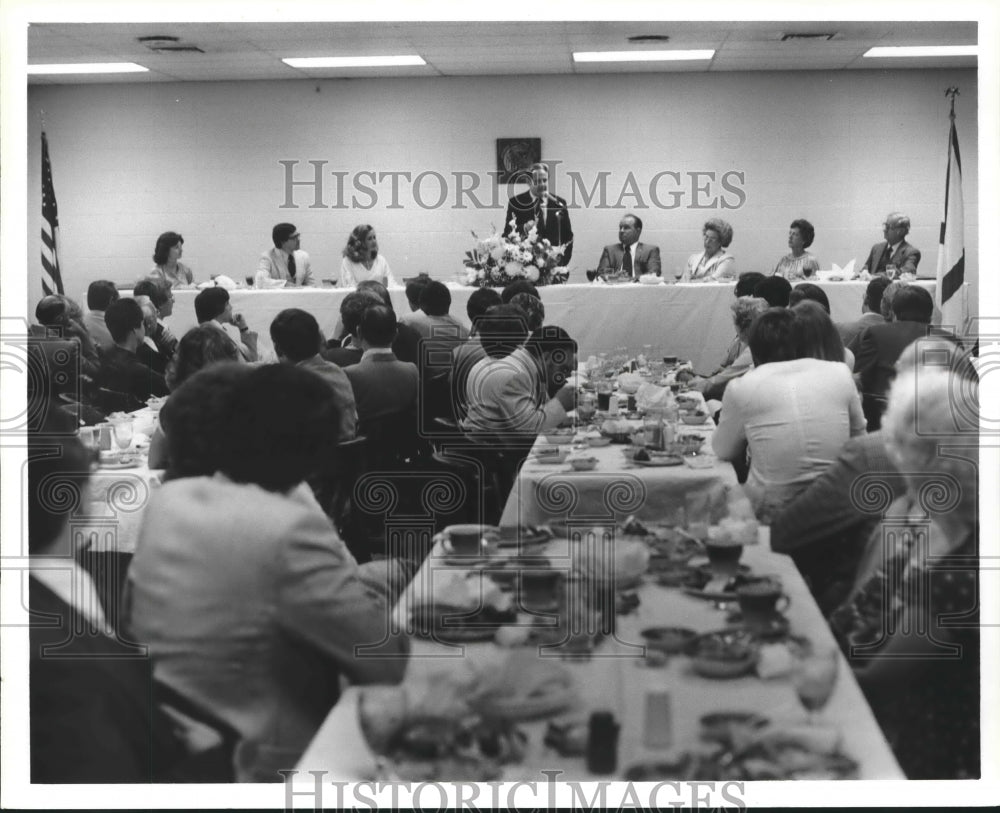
(762, 600)
(540, 589)
(724, 556)
(466, 540)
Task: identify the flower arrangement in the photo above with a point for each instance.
(498, 260)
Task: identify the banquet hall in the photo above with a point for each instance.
(231, 510)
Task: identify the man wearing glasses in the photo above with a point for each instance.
(286, 261)
(894, 256)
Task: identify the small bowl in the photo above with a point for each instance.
(668, 639)
(583, 463)
(694, 418)
(723, 669)
(597, 443)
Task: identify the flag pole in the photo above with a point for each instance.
(949, 295)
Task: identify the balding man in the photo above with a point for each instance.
(547, 212)
(628, 258)
(893, 256)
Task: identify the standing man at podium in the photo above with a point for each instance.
(541, 207)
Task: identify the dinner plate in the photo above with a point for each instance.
(552, 701)
(660, 462)
(528, 536)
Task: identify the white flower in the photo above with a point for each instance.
(540, 262)
(497, 252)
(481, 274)
(514, 269)
(532, 273)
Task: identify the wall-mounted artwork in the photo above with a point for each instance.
(515, 156)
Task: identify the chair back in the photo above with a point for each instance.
(53, 372)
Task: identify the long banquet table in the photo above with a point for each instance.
(692, 320)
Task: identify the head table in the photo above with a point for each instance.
(692, 320)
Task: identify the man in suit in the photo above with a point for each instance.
(286, 260)
(547, 211)
(880, 346)
(628, 258)
(213, 308)
(383, 385)
(871, 312)
(121, 368)
(100, 294)
(894, 250)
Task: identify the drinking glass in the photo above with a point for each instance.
(815, 677)
(121, 430)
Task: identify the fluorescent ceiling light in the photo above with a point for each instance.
(89, 67)
(352, 61)
(923, 50)
(640, 56)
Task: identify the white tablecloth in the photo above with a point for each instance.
(691, 321)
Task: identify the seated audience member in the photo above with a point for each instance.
(362, 260)
(383, 385)
(714, 264)
(893, 252)
(93, 719)
(432, 317)
(100, 294)
(406, 345)
(879, 347)
(738, 359)
(121, 369)
(910, 628)
(212, 308)
(161, 295)
(793, 414)
(519, 286)
(167, 266)
(286, 261)
(147, 351)
(465, 355)
(809, 291)
(346, 350)
(628, 258)
(414, 286)
(824, 528)
(889, 294)
(776, 290)
(244, 568)
(747, 282)
(506, 393)
(60, 317)
(534, 310)
(296, 338)
(798, 263)
(554, 353)
(818, 337)
(871, 312)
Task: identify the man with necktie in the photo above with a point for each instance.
(286, 260)
(540, 207)
(628, 258)
(894, 250)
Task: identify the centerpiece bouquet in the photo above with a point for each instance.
(499, 260)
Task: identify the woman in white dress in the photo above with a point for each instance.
(166, 256)
(800, 263)
(362, 260)
(714, 264)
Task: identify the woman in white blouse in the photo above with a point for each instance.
(799, 264)
(362, 261)
(166, 256)
(714, 264)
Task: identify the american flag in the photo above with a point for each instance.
(51, 278)
(951, 251)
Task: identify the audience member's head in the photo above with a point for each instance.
(520, 286)
(479, 302)
(51, 311)
(555, 350)
(534, 310)
(806, 231)
(773, 336)
(809, 291)
(414, 286)
(275, 454)
(210, 304)
(722, 230)
(745, 309)
(199, 348)
(816, 335)
(100, 294)
(359, 247)
(282, 233)
(502, 330)
(873, 294)
(747, 282)
(353, 307)
(123, 318)
(373, 286)
(149, 313)
(164, 243)
(889, 294)
(59, 467)
(435, 299)
(159, 292)
(197, 417)
(913, 304)
(776, 290)
(295, 335)
(377, 327)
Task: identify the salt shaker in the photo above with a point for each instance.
(602, 743)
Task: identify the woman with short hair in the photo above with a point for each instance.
(714, 264)
(166, 258)
(799, 263)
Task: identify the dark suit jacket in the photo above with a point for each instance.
(124, 372)
(92, 712)
(906, 258)
(557, 230)
(383, 385)
(878, 350)
(645, 260)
